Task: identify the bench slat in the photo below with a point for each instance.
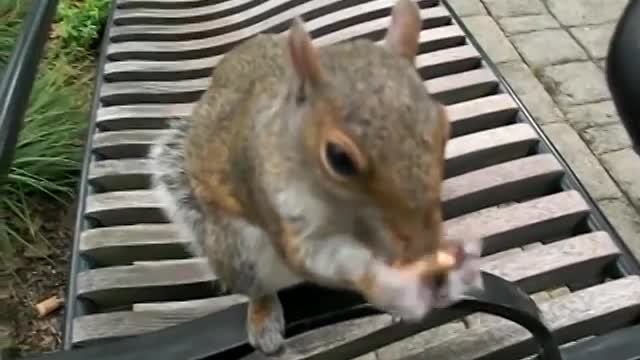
(430, 39)
(172, 26)
(519, 224)
(552, 216)
(99, 281)
(121, 174)
(120, 245)
(148, 281)
(430, 65)
(466, 117)
(463, 154)
(481, 113)
(516, 179)
(597, 251)
(177, 4)
(447, 89)
(489, 147)
(126, 144)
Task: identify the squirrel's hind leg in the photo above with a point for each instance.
(265, 324)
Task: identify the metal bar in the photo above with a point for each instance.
(19, 76)
(217, 336)
(75, 306)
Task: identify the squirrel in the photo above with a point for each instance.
(321, 164)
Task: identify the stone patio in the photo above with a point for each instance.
(552, 53)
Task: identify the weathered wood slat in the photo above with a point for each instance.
(125, 208)
(447, 89)
(515, 180)
(125, 144)
(125, 15)
(121, 245)
(561, 262)
(148, 281)
(488, 147)
(140, 116)
(430, 65)
(430, 39)
(503, 227)
(466, 117)
(463, 86)
(463, 154)
(178, 4)
(481, 114)
(593, 250)
(122, 174)
(319, 15)
(98, 286)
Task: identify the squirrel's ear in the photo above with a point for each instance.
(404, 30)
(303, 54)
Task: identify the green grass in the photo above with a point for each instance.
(49, 153)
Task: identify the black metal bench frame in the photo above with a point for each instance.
(194, 339)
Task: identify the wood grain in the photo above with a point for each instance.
(121, 174)
(319, 15)
(430, 64)
(566, 259)
(466, 117)
(558, 214)
(489, 147)
(481, 114)
(430, 40)
(125, 144)
(447, 89)
(515, 180)
(122, 245)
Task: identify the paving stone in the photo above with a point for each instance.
(414, 346)
(625, 221)
(595, 38)
(523, 24)
(623, 166)
(468, 7)
(602, 64)
(531, 92)
(586, 12)
(535, 47)
(582, 161)
(491, 38)
(582, 117)
(504, 8)
(575, 83)
(605, 139)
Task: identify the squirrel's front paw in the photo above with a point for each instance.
(465, 276)
(265, 325)
(402, 294)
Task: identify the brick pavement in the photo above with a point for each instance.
(552, 53)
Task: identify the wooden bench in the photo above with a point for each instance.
(131, 274)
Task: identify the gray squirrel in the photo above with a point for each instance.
(322, 165)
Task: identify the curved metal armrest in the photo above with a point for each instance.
(222, 335)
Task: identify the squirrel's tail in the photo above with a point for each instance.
(171, 184)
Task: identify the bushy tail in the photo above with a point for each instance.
(170, 183)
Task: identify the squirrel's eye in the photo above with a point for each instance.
(339, 160)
